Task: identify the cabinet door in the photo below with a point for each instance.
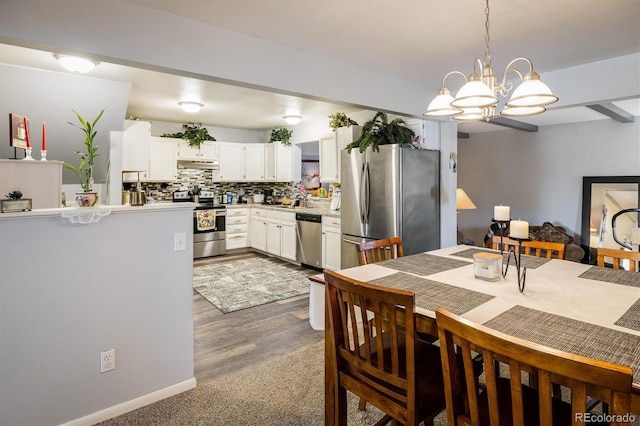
(288, 240)
(254, 162)
(163, 154)
(186, 152)
(288, 163)
(259, 233)
(231, 162)
(331, 249)
(270, 161)
(273, 236)
(329, 167)
(135, 146)
(209, 151)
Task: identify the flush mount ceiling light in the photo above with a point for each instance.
(191, 106)
(477, 99)
(292, 119)
(76, 64)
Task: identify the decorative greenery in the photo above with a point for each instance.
(84, 171)
(340, 119)
(380, 131)
(281, 134)
(193, 133)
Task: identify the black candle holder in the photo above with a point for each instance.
(521, 276)
(502, 225)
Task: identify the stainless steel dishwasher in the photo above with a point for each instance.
(309, 239)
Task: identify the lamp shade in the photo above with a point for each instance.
(522, 111)
(469, 114)
(474, 94)
(440, 106)
(531, 93)
(463, 202)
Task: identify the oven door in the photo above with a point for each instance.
(209, 232)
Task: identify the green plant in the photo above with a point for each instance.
(84, 171)
(340, 119)
(281, 134)
(380, 131)
(193, 133)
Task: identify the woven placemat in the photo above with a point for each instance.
(610, 275)
(423, 264)
(432, 294)
(569, 335)
(531, 262)
(631, 318)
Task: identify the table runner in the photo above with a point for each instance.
(610, 275)
(531, 262)
(631, 318)
(423, 264)
(431, 294)
(571, 335)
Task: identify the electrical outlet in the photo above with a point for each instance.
(107, 360)
(179, 242)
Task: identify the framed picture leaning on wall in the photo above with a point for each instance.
(17, 131)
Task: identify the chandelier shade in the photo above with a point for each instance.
(477, 98)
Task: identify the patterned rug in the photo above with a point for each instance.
(240, 284)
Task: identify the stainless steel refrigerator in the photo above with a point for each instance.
(393, 192)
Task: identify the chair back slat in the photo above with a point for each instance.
(379, 250)
(515, 402)
(618, 255)
(544, 249)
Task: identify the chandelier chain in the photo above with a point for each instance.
(487, 53)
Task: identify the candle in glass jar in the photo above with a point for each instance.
(501, 212)
(519, 229)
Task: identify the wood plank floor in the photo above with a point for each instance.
(227, 343)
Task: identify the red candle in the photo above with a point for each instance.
(26, 131)
(44, 136)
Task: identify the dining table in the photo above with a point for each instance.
(569, 306)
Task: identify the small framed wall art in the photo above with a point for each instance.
(18, 131)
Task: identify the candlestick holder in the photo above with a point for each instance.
(522, 272)
(28, 154)
(502, 225)
(43, 155)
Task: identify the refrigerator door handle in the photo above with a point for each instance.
(361, 197)
(350, 242)
(366, 197)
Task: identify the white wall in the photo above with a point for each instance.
(70, 291)
(222, 134)
(540, 174)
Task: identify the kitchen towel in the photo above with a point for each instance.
(205, 220)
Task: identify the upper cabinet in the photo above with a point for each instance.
(208, 150)
(163, 160)
(330, 146)
(282, 163)
(135, 146)
(231, 162)
(254, 162)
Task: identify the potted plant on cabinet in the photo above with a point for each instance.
(340, 119)
(193, 133)
(281, 134)
(380, 131)
(84, 171)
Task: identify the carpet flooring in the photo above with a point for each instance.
(244, 283)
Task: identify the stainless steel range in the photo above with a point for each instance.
(209, 223)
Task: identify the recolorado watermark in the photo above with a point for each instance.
(607, 418)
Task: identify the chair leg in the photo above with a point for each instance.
(362, 404)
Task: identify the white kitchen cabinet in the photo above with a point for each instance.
(231, 162)
(282, 163)
(281, 234)
(237, 228)
(331, 236)
(330, 147)
(163, 156)
(254, 162)
(208, 151)
(136, 136)
(258, 232)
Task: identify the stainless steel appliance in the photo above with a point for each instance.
(393, 192)
(309, 239)
(209, 224)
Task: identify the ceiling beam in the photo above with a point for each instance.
(514, 124)
(612, 111)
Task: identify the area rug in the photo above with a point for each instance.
(240, 284)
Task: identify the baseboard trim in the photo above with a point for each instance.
(134, 404)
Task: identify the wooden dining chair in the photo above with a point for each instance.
(379, 250)
(504, 400)
(544, 249)
(507, 243)
(618, 255)
(391, 369)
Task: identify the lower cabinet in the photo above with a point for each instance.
(237, 228)
(259, 229)
(331, 236)
(281, 234)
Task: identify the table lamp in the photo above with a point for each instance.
(463, 202)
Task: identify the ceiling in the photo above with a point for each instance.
(417, 47)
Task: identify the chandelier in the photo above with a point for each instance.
(477, 98)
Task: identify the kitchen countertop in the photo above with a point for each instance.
(308, 210)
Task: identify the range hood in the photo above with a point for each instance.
(198, 164)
